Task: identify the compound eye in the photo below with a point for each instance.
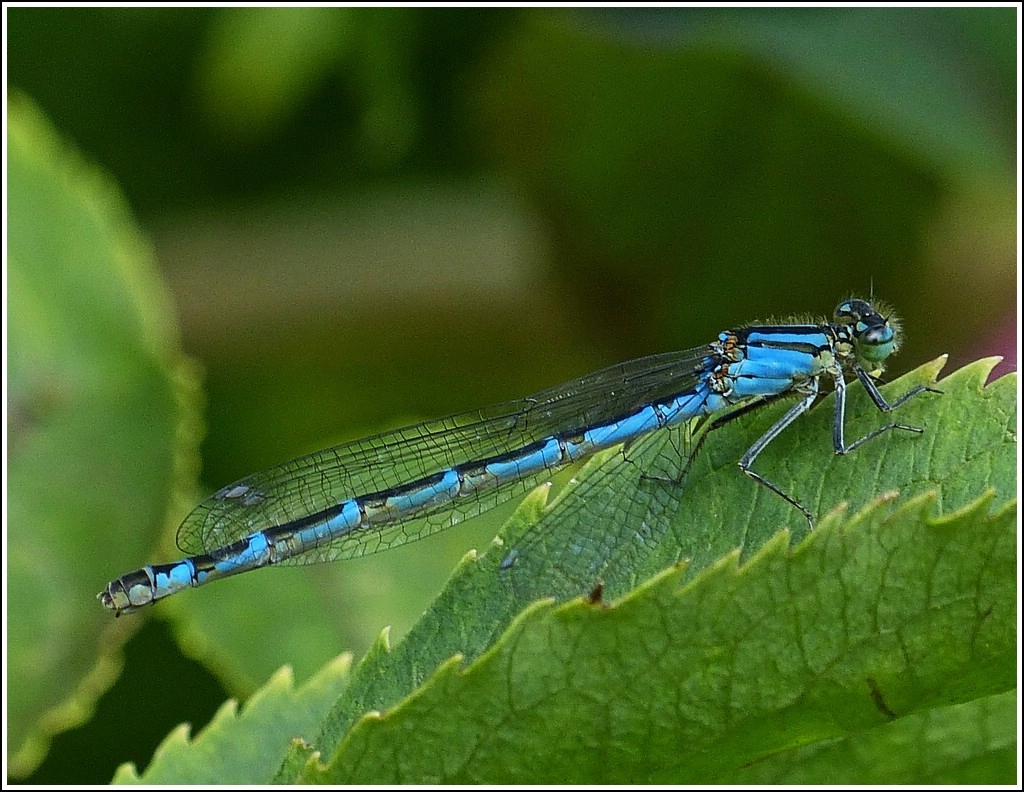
(879, 334)
(876, 342)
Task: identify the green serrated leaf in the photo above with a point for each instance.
(854, 641)
(612, 526)
(846, 633)
(246, 748)
(102, 426)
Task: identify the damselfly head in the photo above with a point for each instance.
(874, 331)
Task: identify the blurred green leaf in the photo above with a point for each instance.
(102, 426)
(891, 70)
(261, 63)
(695, 164)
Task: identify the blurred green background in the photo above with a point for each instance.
(368, 217)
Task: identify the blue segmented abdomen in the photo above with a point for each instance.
(432, 493)
(399, 486)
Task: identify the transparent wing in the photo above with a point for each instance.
(320, 481)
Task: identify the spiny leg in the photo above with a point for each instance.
(838, 425)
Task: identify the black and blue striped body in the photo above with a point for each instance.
(345, 501)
